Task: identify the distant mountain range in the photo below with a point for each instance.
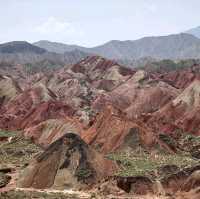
(22, 52)
(178, 46)
(194, 31)
(20, 47)
(56, 47)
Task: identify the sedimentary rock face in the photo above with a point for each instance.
(67, 163)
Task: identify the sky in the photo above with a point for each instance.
(94, 22)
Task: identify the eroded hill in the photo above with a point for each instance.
(102, 127)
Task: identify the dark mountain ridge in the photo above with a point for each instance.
(20, 47)
(56, 47)
(22, 52)
(177, 46)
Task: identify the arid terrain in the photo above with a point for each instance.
(98, 129)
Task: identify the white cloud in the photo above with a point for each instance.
(56, 26)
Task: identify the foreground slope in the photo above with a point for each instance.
(72, 164)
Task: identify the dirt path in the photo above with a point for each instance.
(79, 194)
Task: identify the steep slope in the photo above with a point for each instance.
(9, 89)
(112, 131)
(182, 113)
(50, 130)
(102, 73)
(80, 84)
(31, 107)
(73, 164)
(180, 78)
(15, 72)
(44, 111)
(138, 96)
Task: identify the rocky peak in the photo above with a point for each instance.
(73, 164)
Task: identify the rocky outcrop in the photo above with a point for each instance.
(32, 117)
(50, 130)
(103, 74)
(192, 182)
(138, 96)
(32, 107)
(184, 180)
(4, 179)
(67, 163)
(135, 185)
(180, 113)
(9, 89)
(111, 131)
(181, 78)
(173, 182)
(80, 84)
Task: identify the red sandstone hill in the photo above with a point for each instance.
(79, 88)
(138, 96)
(9, 89)
(32, 107)
(50, 130)
(103, 74)
(113, 109)
(80, 84)
(180, 78)
(180, 113)
(111, 131)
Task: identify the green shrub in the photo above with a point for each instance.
(83, 173)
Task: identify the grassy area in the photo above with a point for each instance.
(18, 152)
(140, 164)
(5, 134)
(189, 140)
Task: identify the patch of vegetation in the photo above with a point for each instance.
(42, 66)
(7, 134)
(195, 140)
(168, 140)
(190, 144)
(84, 173)
(144, 164)
(168, 65)
(17, 152)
